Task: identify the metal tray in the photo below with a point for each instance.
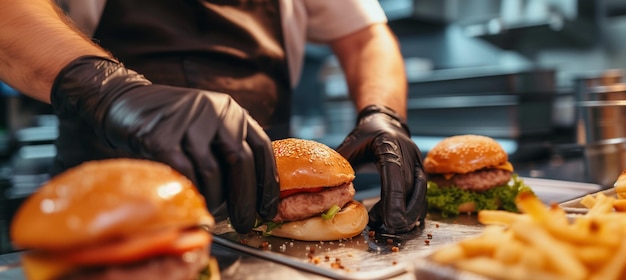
(574, 206)
(367, 256)
(373, 257)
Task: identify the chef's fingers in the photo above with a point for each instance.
(267, 176)
(239, 168)
(393, 185)
(416, 206)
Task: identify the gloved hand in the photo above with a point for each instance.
(382, 136)
(205, 135)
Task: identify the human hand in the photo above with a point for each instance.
(205, 135)
(381, 136)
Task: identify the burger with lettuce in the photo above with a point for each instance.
(469, 173)
(316, 194)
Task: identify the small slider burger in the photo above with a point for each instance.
(468, 173)
(115, 219)
(316, 198)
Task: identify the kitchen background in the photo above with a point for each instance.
(510, 69)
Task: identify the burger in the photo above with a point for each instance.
(316, 193)
(468, 173)
(115, 219)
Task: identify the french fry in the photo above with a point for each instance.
(556, 252)
(588, 201)
(512, 253)
(604, 204)
(498, 217)
(613, 268)
(545, 243)
(487, 243)
(449, 254)
(496, 270)
(619, 205)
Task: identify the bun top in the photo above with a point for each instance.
(108, 199)
(463, 154)
(303, 164)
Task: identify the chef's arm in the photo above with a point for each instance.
(36, 42)
(373, 67)
(374, 70)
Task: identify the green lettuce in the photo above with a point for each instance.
(331, 212)
(446, 200)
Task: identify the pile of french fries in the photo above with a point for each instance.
(544, 242)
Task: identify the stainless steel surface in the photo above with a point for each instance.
(366, 257)
(574, 205)
(602, 111)
(605, 160)
(362, 257)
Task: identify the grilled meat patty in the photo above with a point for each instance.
(304, 205)
(185, 267)
(480, 180)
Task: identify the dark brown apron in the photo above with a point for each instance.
(235, 47)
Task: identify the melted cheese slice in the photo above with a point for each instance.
(507, 166)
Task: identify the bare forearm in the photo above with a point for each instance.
(373, 67)
(35, 44)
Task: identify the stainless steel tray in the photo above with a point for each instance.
(365, 256)
(574, 206)
(373, 257)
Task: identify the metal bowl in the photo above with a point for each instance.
(605, 160)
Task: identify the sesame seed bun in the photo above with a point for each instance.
(463, 154)
(318, 178)
(117, 215)
(306, 164)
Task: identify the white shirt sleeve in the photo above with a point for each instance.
(321, 21)
(332, 19)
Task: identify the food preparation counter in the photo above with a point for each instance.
(366, 256)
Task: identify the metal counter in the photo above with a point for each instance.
(367, 256)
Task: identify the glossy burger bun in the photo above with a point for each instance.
(347, 223)
(463, 154)
(303, 164)
(104, 200)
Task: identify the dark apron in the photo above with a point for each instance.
(235, 47)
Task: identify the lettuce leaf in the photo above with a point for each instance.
(447, 200)
(331, 212)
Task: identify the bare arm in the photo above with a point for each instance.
(373, 66)
(36, 42)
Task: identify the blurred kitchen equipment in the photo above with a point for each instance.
(603, 86)
(601, 125)
(514, 105)
(605, 160)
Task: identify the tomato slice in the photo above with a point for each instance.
(287, 193)
(172, 241)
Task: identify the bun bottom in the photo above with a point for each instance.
(348, 222)
(467, 207)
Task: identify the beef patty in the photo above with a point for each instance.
(185, 267)
(480, 180)
(304, 205)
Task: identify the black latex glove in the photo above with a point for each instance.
(381, 136)
(205, 135)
